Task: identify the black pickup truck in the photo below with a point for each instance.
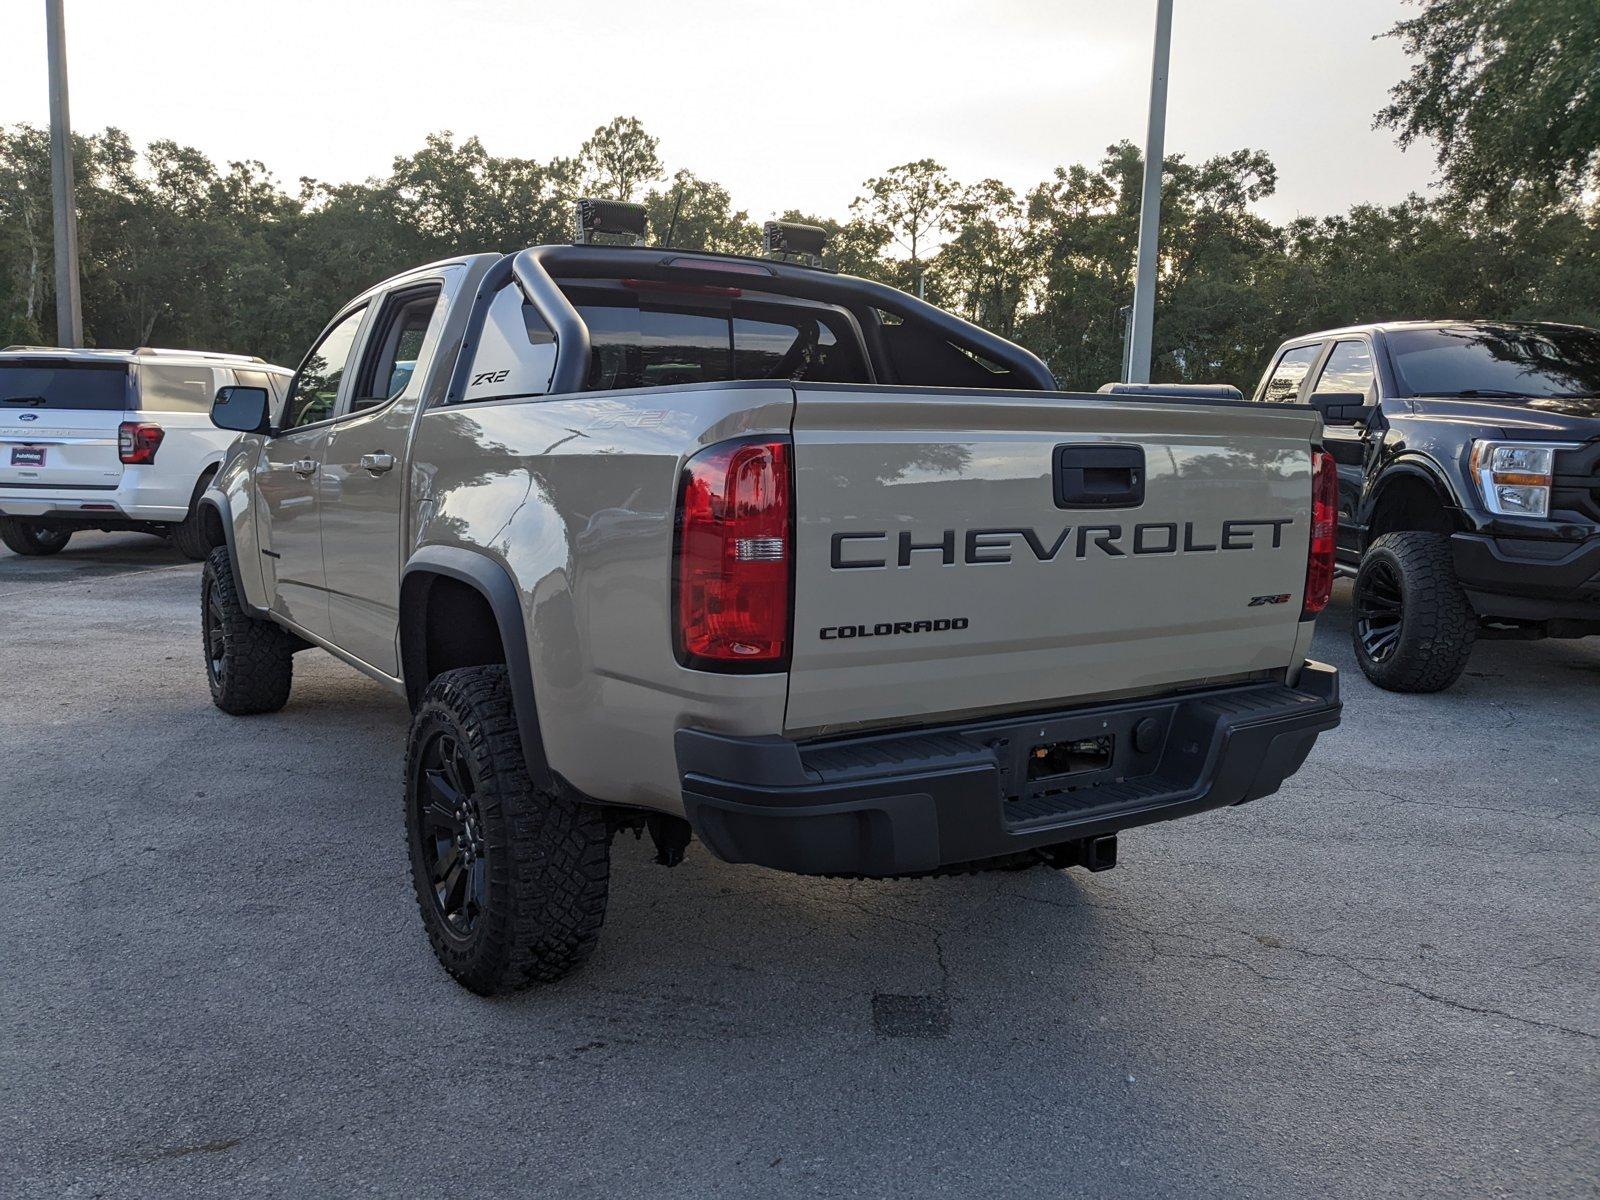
(1469, 483)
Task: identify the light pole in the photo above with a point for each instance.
(69, 307)
(1144, 282)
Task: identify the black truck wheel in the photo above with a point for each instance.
(31, 538)
(249, 662)
(1413, 628)
(511, 880)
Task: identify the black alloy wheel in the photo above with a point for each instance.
(216, 636)
(1379, 611)
(455, 855)
(1412, 627)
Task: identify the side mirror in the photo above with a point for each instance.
(1342, 408)
(242, 409)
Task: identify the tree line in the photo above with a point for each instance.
(179, 250)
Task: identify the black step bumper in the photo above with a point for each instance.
(909, 801)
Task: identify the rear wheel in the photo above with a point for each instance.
(511, 880)
(189, 536)
(31, 538)
(249, 662)
(1413, 628)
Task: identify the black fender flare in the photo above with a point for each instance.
(492, 580)
(213, 499)
(1412, 466)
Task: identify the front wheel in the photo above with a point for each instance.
(1413, 628)
(31, 538)
(249, 662)
(511, 879)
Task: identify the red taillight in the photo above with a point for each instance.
(1324, 533)
(734, 557)
(137, 443)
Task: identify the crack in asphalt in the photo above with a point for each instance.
(1528, 813)
(1349, 962)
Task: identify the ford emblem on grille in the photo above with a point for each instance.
(28, 417)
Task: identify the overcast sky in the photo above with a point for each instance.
(787, 105)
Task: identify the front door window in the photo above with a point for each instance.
(316, 384)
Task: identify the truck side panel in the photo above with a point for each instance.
(577, 497)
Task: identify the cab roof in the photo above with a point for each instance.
(1391, 326)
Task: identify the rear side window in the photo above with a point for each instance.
(166, 387)
(1284, 385)
(63, 385)
(1349, 369)
(394, 349)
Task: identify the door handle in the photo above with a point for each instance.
(1099, 476)
(377, 463)
(305, 466)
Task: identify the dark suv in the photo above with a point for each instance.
(1469, 483)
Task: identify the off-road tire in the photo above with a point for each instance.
(249, 662)
(32, 539)
(1436, 625)
(546, 856)
(189, 535)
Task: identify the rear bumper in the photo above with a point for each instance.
(910, 801)
(1528, 578)
(140, 496)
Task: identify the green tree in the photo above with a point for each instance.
(989, 268)
(699, 215)
(1509, 89)
(912, 202)
(619, 159)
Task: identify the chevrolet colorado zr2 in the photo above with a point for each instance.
(1469, 483)
(785, 560)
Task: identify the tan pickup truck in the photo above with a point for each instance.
(781, 559)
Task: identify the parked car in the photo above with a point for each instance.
(1469, 483)
(679, 542)
(112, 439)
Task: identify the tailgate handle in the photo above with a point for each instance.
(1099, 476)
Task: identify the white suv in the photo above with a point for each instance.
(113, 439)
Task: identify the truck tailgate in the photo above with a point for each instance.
(971, 552)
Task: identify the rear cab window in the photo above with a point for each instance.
(657, 342)
(63, 384)
(1288, 373)
(649, 337)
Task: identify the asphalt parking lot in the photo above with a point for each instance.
(1380, 982)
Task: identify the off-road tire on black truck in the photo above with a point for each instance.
(1412, 628)
(511, 879)
(249, 662)
(32, 539)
